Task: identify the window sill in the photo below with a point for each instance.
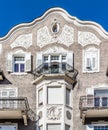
(91, 71)
(19, 73)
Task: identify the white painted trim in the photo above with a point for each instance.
(83, 60)
(64, 14)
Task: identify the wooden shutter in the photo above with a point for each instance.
(38, 59)
(70, 59)
(9, 62)
(28, 62)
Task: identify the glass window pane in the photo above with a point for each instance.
(100, 127)
(54, 57)
(8, 127)
(16, 67)
(22, 67)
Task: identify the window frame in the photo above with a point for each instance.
(40, 103)
(19, 63)
(69, 96)
(91, 53)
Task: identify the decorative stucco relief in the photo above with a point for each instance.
(66, 37)
(23, 41)
(54, 113)
(43, 36)
(54, 49)
(85, 38)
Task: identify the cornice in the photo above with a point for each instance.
(66, 16)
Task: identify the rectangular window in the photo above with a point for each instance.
(53, 127)
(91, 59)
(8, 127)
(68, 94)
(101, 97)
(45, 58)
(40, 97)
(54, 95)
(19, 64)
(8, 93)
(100, 127)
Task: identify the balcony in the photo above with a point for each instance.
(14, 108)
(55, 70)
(93, 108)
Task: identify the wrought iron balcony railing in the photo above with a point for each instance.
(13, 103)
(54, 68)
(89, 102)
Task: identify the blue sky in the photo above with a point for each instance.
(14, 12)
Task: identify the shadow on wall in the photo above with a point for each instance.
(5, 81)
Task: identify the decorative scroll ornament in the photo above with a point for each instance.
(85, 38)
(23, 41)
(44, 37)
(54, 113)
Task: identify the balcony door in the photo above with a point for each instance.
(101, 98)
(8, 127)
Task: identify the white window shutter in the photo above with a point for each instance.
(28, 62)
(54, 94)
(89, 91)
(89, 127)
(9, 62)
(38, 59)
(70, 59)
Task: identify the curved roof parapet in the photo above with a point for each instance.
(67, 16)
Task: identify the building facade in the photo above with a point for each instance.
(53, 75)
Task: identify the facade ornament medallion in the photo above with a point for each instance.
(86, 38)
(54, 113)
(23, 41)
